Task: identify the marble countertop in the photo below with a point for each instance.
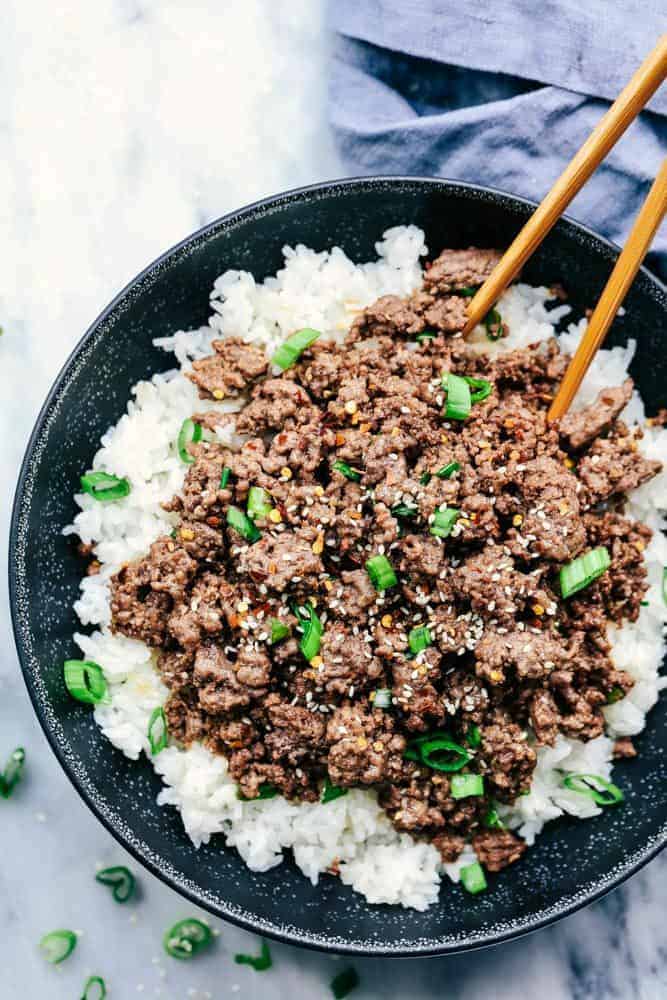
(124, 125)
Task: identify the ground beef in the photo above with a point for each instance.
(614, 464)
(580, 427)
(455, 270)
(230, 370)
(496, 849)
(624, 748)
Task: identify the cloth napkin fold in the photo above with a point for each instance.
(501, 93)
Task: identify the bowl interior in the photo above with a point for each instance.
(572, 862)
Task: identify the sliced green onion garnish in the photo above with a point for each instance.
(265, 791)
(425, 478)
(381, 572)
(458, 402)
(94, 989)
(443, 522)
(473, 737)
(242, 524)
(419, 639)
(664, 584)
(404, 510)
(157, 730)
(426, 335)
(12, 773)
(493, 322)
(312, 633)
(121, 881)
(468, 291)
(189, 433)
(382, 698)
(465, 786)
(187, 938)
(289, 352)
(225, 476)
(583, 570)
(473, 878)
(331, 792)
(260, 963)
(603, 793)
(85, 681)
(57, 946)
(615, 695)
(438, 751)
(259, 502)
(344, 983)
(447, 471)
(492, 820)
(347, 471)
(279, 631)
(482, 386)
(102, 486)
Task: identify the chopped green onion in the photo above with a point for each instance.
(85, 681)
(242, 524)
(344, 983)
(492, 820)
(483, 386)
(473, 878)
(265, 791)
(425, 478)
(443, 522)
(473, 737)
(187, 938)
(465, 786)
(57, 946)
(438, 751)
(120, 879)
(468, 291)
(493, 322)
(615, 695)
(259, 963)
(643, 604)
(225, 476)
(312, 633)
(664, 584)
(583, 570)
(157, 730)
(103, 487)
(279, 631)
(426, 335)
(12, 773)
(404, 510)
(458, 402)
(447, 471)
(189, 433)
(293, 347)
(94, 989)
(382, 698)
(381, 572)
(259, 502)
(331, 792)
(605, 794)
(419, 639)
(347, 471)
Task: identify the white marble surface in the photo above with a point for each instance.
(124, 125)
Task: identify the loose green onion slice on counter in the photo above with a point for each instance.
(426, 335)
(279, 631)
(583, 570)
(615, 695)
(260, 963)
(447, 471)
(492, 820)
(225, 476)
(85, 681)
(347, 471)
(482, 386)
(603, 793)
(382, 698)
(259, 502)
(94, 989)
(312, 633)
(157, 730)
(294, 346)
(404, 510)
(425, 478)
(344, 983)
(189, 433)
(381, 572)
(473, 737)
(120, 880)
(331, 792)
(419, 638)
(242, 524)
(103, 487)
(443, 522)
(57, 946)
(473, 878)
(465, 786)
(438, 751)
(468, 291)
(459, 403)
(265, 791)
(493, 322)
(187, 938)
(12, 773)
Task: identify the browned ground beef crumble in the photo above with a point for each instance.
(508, 653)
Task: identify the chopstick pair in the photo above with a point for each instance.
(650, 75)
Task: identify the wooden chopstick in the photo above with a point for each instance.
(611, 127)
(651, 215)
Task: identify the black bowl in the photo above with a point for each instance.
(573, 862)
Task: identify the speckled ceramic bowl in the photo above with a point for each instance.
(573, 862)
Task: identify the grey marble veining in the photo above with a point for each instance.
(124, 125)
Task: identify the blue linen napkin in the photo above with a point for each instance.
(501, 93)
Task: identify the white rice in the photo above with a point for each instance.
(352, 834)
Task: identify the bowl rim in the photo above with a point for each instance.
(318, 941)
